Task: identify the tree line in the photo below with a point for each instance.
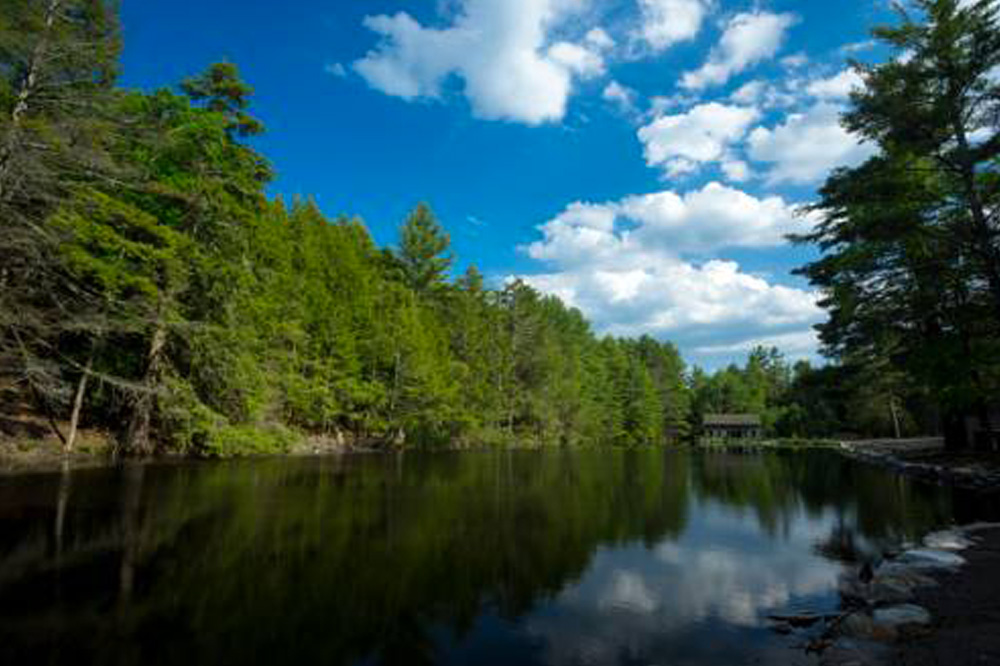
(149, 286)
(152, 289)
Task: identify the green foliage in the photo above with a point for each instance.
(215, 322)
(911, 265)
(221, 91)
(423, 251)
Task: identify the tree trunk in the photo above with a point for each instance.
(81, 390)
(984, 244)
(24, 95)
(137, 439)
(895, 415)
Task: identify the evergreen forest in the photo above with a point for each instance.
(152, 289)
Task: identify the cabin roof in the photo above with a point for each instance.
(747, 420)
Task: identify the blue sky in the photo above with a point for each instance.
(642, 159)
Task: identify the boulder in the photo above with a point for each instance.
(930, 558)
(887, 624)
(903, 573)
(896, 621)
(949, 540)
(980, 527)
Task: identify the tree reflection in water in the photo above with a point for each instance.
(557, 557)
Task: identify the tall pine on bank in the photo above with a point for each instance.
(57, 66)
(911, 266)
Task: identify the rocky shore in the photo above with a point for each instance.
(935, 603)
(927, 460)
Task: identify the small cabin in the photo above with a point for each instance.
(732, 426)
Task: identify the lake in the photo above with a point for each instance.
(556, 557)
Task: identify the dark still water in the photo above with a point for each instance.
(559, 558)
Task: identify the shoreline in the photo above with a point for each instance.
(923, 459)
(965, 605)
(934, 604)
(926, 459)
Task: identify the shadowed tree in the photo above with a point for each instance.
(911, 265)
(58, 61)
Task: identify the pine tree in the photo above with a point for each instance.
(938, 107)
(423, 251)
(57, 66)
(222, 91)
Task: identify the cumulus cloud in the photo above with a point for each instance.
(599, 39)
(686, 302)
(736, 170)
(807, 146)
(638, 228)
(682, 143)
(748, 39)
(798, 344)
(621, 96)
(668, 22)
(766, 94)
(836, 87)
(497, 49)
(622, 263)
(577, 59)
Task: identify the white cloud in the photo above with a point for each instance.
(798, 344)
(681, 143)
(750, 93)
(620, 95)
(736, 170)
(498, 51)
(766, 94)
(577, 59)
(599, 39)
(641, 228)
(693, 305)
(748, 39)
(336, 69)
(857, 47)
(807, 146)
(836, 87)
(795, 61)
(621, 264)
(668, 22)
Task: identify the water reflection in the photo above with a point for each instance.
(598, 557)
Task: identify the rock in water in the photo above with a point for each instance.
(950, 540)
(895, 621)
(928, 558)
(888, 624)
